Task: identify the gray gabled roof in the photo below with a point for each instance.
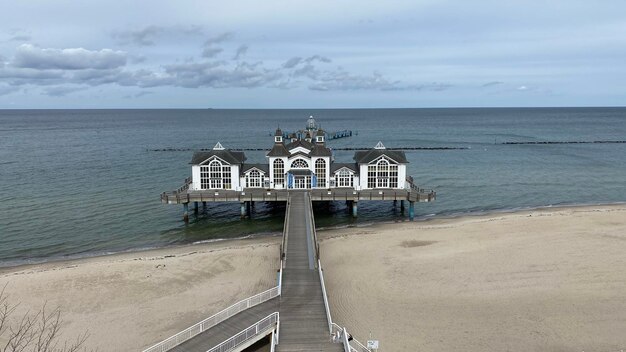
(320, 150)
(334, 167)
(300, 143)
(227, 155)
(366, 156)
(278, 150)
(263, 167)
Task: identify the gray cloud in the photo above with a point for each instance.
(241, 51)
(21, 38)
(61, 91)
(293, 62)
(491, 84)
(138, 95)
(81, 68)
(211, 51)
(5, 90)
(147, 36)
(140, 37)
(29, 56)
(219, 38)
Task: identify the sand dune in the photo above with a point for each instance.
(548, 280)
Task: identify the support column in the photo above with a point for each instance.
(243, 210)
(195, 208)
(186, 212)
(411, 210)
(249, 208)
(203, 205)
(355, 208)
(402, 205)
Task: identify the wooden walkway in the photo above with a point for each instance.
(228, 328)
(303, 321)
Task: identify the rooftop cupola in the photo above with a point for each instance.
(308, 137)
(278, 136)
(310, 124)
(320, 137)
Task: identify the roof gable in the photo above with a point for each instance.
(299, 149)
(227, 155)
(367, 156)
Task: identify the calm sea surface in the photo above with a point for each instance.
(84, 182)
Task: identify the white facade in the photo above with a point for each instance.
(300, 164)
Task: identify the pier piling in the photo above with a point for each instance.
(186, 212)
(411, 211)
(402, 206)
(243, 210)
(195, 208)
(355, 208)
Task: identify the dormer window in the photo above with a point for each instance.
(278, 139)
(320, 139)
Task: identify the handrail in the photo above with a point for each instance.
(213, 320)
(255, 329)
(326, 305)
(315, 242)
(283, 248)
(345, 340)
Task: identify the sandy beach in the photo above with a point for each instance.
(541, 280)
(545, 280)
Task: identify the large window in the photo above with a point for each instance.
(227, 183)
(320, 172)
(215, 176)
(371, 176)
(299, 164)
(393, 176)
(204, 177)
(382, 180)
(344, 178)
(382, 175)
(253, 179)
(279, 172)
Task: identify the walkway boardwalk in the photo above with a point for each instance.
(228, 328)
(303, 322)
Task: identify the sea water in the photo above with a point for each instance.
(85, 182)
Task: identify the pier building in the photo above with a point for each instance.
(305, 163)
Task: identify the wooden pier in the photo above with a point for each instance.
(304, 325)
(186, 197)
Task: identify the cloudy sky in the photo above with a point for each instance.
(290, 54)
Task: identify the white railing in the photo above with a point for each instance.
(345, 340)
(262, 327)
(213, 320)
(326, 305)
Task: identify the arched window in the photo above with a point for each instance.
(320, 172)
(382, 174)
(215, 175)
(279, 172)
(253, 179)
(299, 164)
(344, 178)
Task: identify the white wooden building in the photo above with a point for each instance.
(299, 163)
